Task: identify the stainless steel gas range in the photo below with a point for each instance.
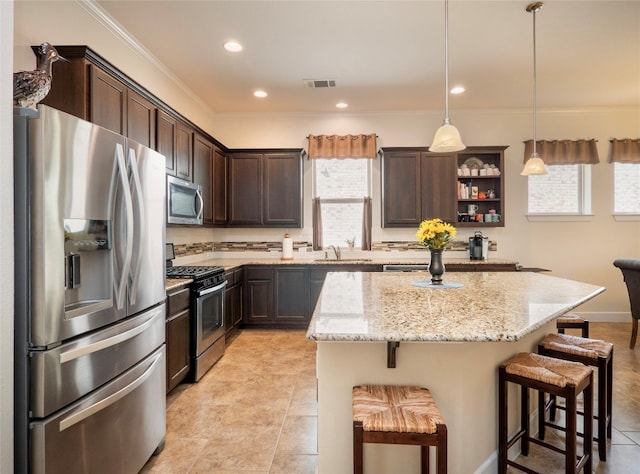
(207, 313)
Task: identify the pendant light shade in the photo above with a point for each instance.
(447, 137)
(535, 164)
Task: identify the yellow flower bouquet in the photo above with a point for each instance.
(435, 233)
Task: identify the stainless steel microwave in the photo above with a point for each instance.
(184, 202)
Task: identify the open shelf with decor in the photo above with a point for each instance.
(480, 183)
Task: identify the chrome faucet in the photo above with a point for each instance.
(336, 251)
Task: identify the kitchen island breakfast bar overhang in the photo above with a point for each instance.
(451, 340)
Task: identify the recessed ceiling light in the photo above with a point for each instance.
(342, 105)
(260, 93)
(457, 90)
(233, 46)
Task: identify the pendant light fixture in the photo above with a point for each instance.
(534, 165)
(447, 137)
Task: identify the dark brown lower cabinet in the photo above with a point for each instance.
(291, 302)
(233, 300)
(285, 296)
(258, 295)
(177, 336)
(276, 296)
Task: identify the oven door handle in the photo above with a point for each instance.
(211, 290)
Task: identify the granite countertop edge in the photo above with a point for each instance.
(409, 334)
(171, 284)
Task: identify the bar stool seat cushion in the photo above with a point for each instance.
(390, 408)
(547, 370)
(570, 318)
(580, 346)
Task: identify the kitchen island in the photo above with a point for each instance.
(450, 340)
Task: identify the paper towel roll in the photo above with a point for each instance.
(287, 248)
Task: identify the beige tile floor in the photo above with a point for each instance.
(255, 411)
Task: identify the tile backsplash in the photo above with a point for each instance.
(195, 248)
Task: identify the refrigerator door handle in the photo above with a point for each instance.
(77, 417)
(97, 346)
(201, 202)
(121, 286)
(141, 236)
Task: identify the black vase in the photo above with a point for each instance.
(436, 267)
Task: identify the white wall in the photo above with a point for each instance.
(6, 238)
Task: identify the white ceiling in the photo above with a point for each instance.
(389, 55)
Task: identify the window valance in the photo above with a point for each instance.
(342, 146)
(624, 150)
(564, 152)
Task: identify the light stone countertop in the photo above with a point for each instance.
(386, 258)
(175, 283)
(237, 261)
(490, 306)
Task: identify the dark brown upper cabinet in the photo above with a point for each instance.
(417, 185)
(84, 89)
(184, 151)
(220, 182)
(265, 188)
(141, 120)
(202, 174)
(90, 87)
(174, 140)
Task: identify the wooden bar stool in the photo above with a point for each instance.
(593, 352)
(395, 414)
(572, 321)
(548, 375)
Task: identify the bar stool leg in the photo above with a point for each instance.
(524, 419)
(358, 466)
(603, 407)
(424, 459)
(585, 330)
(571, 433)
(588, 428)
(503, 409)
(610, 396)
(441, 450)
(541, 414)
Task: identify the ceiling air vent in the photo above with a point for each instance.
(316, 83)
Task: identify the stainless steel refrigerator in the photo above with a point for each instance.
(89, 300)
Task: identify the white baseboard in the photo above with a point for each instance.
(600, 317)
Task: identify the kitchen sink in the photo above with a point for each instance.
(343, 260)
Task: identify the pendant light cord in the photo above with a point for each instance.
(534, 82)
(533, 8)
(446, 61)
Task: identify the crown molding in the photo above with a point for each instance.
(119, 32)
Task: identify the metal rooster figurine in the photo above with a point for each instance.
(30, 87)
